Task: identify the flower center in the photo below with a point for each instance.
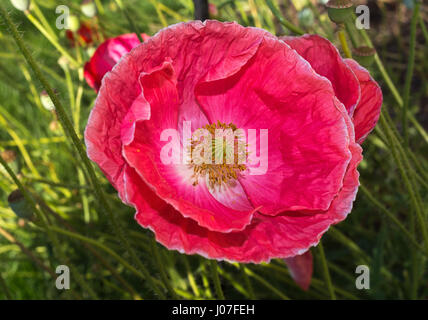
(218, 152)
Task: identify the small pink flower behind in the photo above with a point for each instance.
(107, 55)
(212, 9)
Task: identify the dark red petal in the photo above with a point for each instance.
(326, 61)
(367, 112)
(301, 268)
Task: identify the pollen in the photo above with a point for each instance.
(218, 154)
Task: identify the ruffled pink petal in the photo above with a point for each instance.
(368, 109)
(308, 138)
(265, 238)
(174, 186)
(326, 61)
(120, 92)
(282, 236)
(121, 86)
(155, 110)
(301, 268)
(107, 55)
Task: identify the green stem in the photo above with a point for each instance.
(52, 40)
(159, 13)
(88, 246)
(409, 73)
(216, 279)
(190, 277)
(423, 28)
(130, 20)
(325, 26)
(27, 252)
(327, 277)
(55, 184)
(35, 259)
(166, 281)
(351, 34)
(392, 87)
(110, 252)
(247, 282)
(266, 284)
(343, 43)
(315, 283)
(43, 220)
(392, 218)
(99, 245)
(254, 13)
(337, 235)
(4, 287)
(99, 7)
(205, 281)
(399, 156)
(282, 20)
(42, 18)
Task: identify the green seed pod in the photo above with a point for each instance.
(22, 5)
(339, 10)
(364, 55)
(88, 8)
(73, 23)
(20, 205)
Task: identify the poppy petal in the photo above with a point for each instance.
(301, 268)
(326, 61)
(368, 109)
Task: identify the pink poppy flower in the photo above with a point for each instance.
(221, 75)
(107, 55)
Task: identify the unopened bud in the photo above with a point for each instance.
(54, 126)
(73, 23)
(47, 101)
(63, 62)
(20, 205)
(88, 8)
(90, 51)
(22, 5)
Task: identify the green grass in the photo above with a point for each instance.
(384, 231)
